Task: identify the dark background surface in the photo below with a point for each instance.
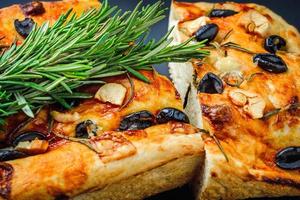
(288, 9)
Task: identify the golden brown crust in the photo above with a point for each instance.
(72, 168)
(250, 143)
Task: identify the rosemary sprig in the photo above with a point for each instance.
(217, 141)
(280, 110)
(55, 60)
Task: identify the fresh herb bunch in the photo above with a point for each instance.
(53, 61)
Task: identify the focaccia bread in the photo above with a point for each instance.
(130, 141)
(39, 12)
(246, 94)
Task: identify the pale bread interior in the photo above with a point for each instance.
(166, 177)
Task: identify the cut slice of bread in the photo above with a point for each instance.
(249, 142)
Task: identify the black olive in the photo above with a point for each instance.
(6, 155)
(288, 158)
(207, 32)
(222, 13)
(274, 43)
(137, 121)
(24, 27)
(84, 128)
(171, 114)
(270, 63)
(33, 8)
(211, 84)
(28, 136)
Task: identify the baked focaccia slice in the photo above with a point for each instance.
(130, 141)
(246, 94)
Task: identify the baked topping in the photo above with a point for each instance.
(86, 129)
(270, 62)
(171, 114)
(274, 43)
(211, 84)
(288, 158)
(207, 32)
(238, 98)
(33, 8)
(218, 114)
(113, 146)
(24, 27)
(9, 154)
(33, 147)
(226, 64)
(190, 27)
(113, 93)
(254, 22)
(222, 13)
(253, 104)
(233, 78)
(65, 117)
(137, 121)
(27, 137)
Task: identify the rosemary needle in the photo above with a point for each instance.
(55, 60)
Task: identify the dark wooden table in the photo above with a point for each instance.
(289, 9)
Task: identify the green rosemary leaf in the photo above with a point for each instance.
(22, 101)
(137, 74)
(271, 113)
(53, 61)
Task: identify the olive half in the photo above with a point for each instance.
(171, 114)
(6, 155)
(207, 32)
(288, 158)
(211, 84)
(137, 121)
(24, 27)
(222, 13)
(84, 128)
(274, 43)
(270, 62)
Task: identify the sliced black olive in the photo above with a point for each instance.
(24, 27)
(207, 32)
(288, 158)
(137, 121)
(270, 63)
(222, 13)
(33, 8)
(84, 129)
(28, 136)
(6, 155)
(274, 43)
(171, 114)
(211, 84)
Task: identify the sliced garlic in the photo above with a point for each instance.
(255, 22)
(33, 147)
(238, 98)
(253, 104)
(113, 93)
(190, 27)
(65, 117)
(255, 107)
